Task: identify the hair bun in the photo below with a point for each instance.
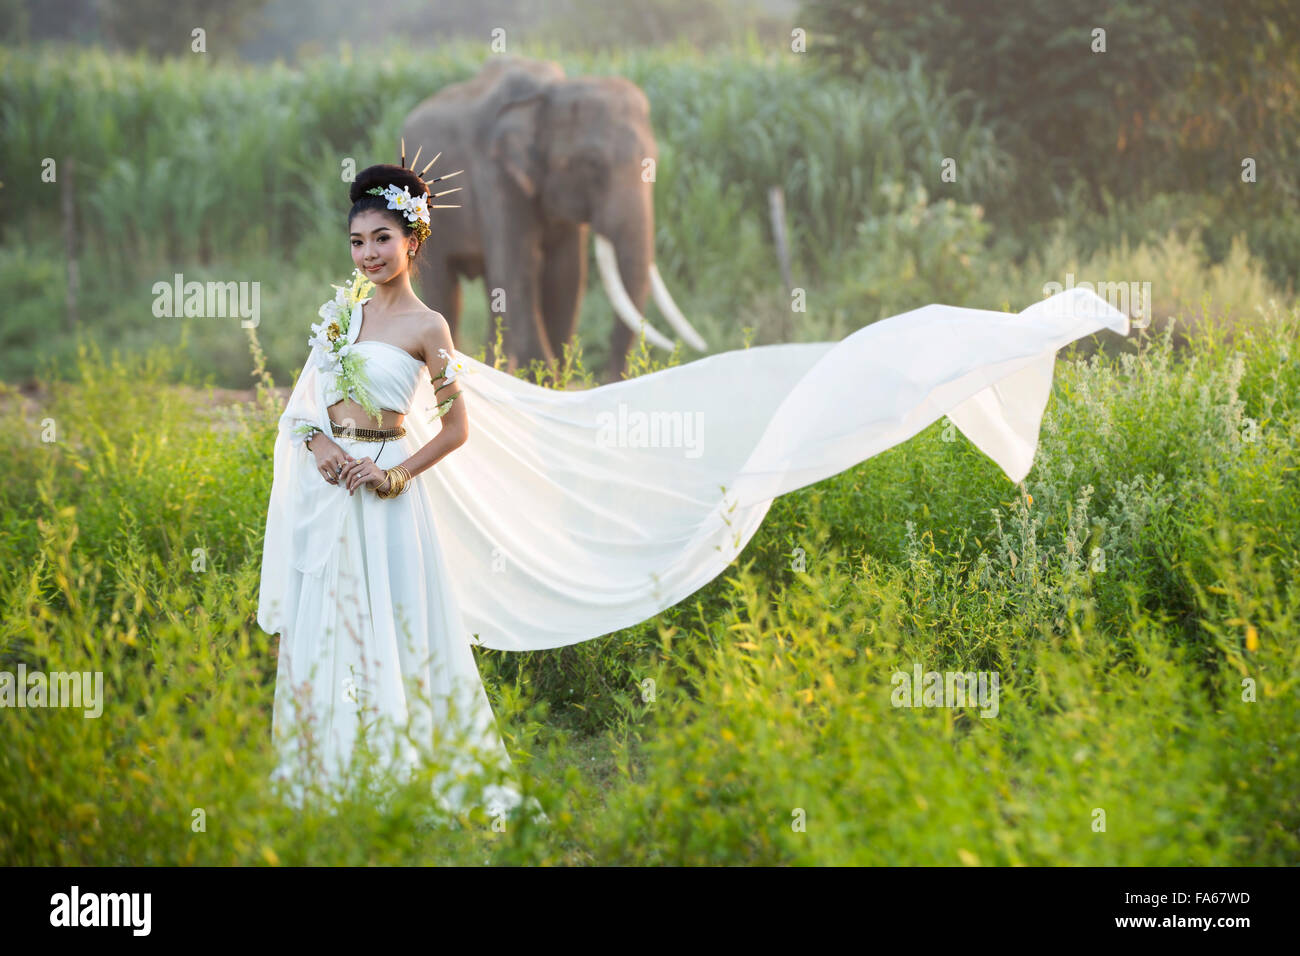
(381, 176)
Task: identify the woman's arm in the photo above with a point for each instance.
(455, 422)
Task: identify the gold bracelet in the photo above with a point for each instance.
(404, 479)
(398, 478)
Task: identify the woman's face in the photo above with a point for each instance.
(379, 246)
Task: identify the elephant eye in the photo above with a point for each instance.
(588, 169)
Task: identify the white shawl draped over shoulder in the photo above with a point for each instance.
(299, 520)
(568, 515)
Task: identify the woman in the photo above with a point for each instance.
(562, 516)
(353, 576)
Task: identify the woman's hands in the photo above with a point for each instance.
(339, 468)
(330, 458)
(363, 471)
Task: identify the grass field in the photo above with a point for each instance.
(1137, 598)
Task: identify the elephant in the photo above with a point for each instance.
(545, 159)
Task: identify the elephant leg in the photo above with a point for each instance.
(511, 279)
(440, 286)
(621, 341)
(563, 280)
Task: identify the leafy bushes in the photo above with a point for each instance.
(913, 252)
(1137, 600)
(34, 283)
(1131, 96)
(1137, 597)
(232, 173)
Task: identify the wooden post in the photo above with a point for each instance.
(776, 203)
(70, 240)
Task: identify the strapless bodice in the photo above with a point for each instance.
(392, 372)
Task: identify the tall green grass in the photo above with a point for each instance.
(1147, 568)
(188, 160)
(233, 173)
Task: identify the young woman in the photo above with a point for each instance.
(525, 518)
(353, 576)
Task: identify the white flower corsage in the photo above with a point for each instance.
(342, 364)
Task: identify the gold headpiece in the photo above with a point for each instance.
(415, 208)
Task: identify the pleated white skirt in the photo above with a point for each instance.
(375, 657)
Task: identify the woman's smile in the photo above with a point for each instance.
(375, 268)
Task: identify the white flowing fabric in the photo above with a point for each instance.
(571, 514)
(568, 515)
(361, 594)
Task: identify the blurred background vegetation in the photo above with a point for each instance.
(1123, 687)
(224, 165)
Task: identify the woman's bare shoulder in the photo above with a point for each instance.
(433, 315)
(422, 320)
(429, 322)
(421, 314)
(433, 331)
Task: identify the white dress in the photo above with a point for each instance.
(568, 515)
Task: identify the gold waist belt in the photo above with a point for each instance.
(367, 434)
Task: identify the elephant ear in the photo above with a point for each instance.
(513, 136)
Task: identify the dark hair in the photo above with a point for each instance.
(380, 176)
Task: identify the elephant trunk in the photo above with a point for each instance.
(612, 279)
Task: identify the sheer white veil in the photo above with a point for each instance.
(571, 514)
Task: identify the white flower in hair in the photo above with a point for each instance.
(414, 208)
(399, 199)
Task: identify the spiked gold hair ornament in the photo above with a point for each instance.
(416, 208)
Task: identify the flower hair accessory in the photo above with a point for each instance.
(416, 208)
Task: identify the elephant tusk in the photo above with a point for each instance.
(607, 262)
(673, 314)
